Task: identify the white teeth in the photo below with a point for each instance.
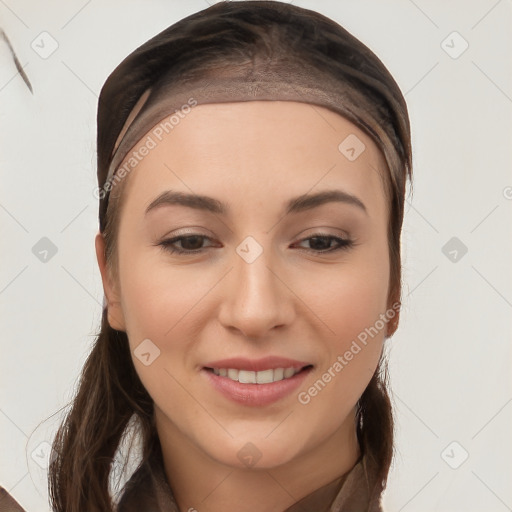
(247, 377)
(265, 376)
(262, 377)
(278, 374)
(232, 374)
(289, 372)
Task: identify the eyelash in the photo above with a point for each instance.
(343, 244)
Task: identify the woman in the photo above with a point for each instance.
(252, 164)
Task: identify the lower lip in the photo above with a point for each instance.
(256, 394)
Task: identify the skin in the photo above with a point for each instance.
(290, 301)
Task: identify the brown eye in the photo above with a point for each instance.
(189, 244)
(320, 243)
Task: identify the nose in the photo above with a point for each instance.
(256, 297)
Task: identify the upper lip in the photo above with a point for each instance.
(256, 365)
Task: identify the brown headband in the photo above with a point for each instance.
(161, 107)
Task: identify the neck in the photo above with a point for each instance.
(200, 482)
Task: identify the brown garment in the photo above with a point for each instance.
(148, 491)
(356, 491)
(8, 503)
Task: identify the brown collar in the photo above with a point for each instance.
(148, 489)
(357, 490)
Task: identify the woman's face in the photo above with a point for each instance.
(267, 288)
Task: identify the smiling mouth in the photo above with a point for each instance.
(259, 377)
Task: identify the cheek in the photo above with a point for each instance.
(351, 298)
(350, 302)
(155, 296)
(351, 307)
(159, 304)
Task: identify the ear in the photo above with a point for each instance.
(110, 288)
(392, 324)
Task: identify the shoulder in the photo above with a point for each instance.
(148, 490)
(8, 503)
(137, 494)
(361, 489)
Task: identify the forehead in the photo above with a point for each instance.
(259, 149)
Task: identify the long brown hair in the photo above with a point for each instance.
(110, 392)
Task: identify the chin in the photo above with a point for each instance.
(255, 453)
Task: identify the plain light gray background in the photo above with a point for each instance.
(450, 360)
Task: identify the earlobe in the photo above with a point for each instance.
(115, 313)
(392, 323)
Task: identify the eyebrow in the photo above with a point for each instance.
(294, 205)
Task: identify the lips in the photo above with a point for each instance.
(256, 382)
